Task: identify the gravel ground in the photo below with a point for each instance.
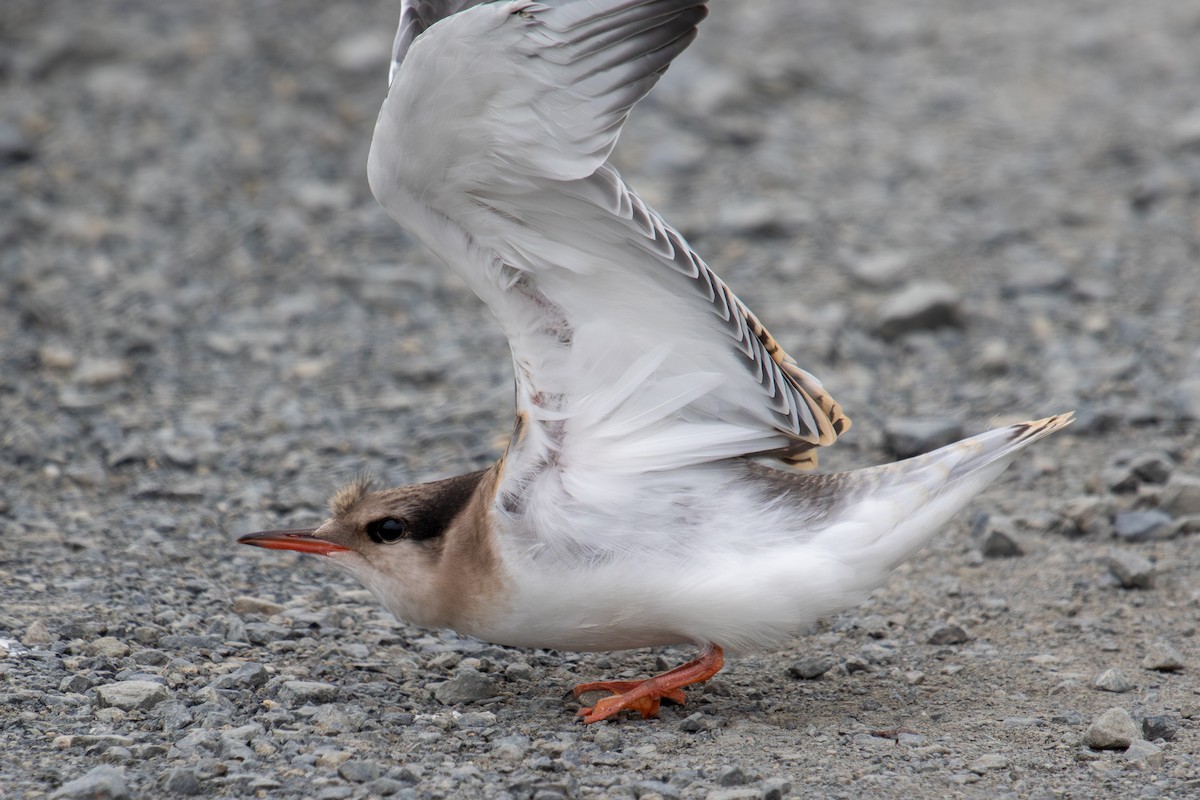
(957, 214)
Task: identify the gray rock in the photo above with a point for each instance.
(250, 675)
(1160, 726)
(694, 723)
(999, 539)
(467, 686)
(989, 762)
(108, 647)
(1132, 570)
(1186, 398)
(1181, 496)
(1142, 526)
(130, 695)
(182, 781)
(880, 270)
(359, 771)
(1144, 754)
(37, 634)
(732, 775)
(385, 787)
(917, 307)
(101, 783)
(1113, 680)
(948, 634)
(811, 667)
(297, 693)
(909, 437)
(246, 604)
(1086, 516)
(1112, 730)
(1162, 657)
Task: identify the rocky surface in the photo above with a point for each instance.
(206, 325)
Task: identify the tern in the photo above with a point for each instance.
(651, 492)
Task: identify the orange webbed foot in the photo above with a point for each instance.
(645, 696)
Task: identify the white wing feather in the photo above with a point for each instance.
(631, 355)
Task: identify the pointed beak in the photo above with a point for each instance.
(302, 541)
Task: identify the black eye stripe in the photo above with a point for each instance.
(387, 530)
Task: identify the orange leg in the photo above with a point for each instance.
(644, 696)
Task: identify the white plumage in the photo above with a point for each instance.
(625, 512)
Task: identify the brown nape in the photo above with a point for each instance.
(470, 580)
(443, 501)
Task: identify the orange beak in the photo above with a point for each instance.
(301, 540)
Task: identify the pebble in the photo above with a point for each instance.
(248, 676)
(131, 695)
(1131, 570)
(245, 604)
(999, 539)
(1142, 526)
(948, 634)
(37, 634)
(1113, 680)
(1181, 496)
(467, 686)
(1162, 657)
(1160, 726)
(182, 781)
(919, 306)
(882, 270)
(98, 372)
(988, 763)
(359, 771)
(1087, 516)
(101, 783)
(907, 437)
(108, 647)
(1145, 754)
(1112, 730)
(811, 667)
(693, 723)
(296, 693)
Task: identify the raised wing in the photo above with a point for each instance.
(417, 16)
(631, 354)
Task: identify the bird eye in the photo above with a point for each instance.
(387, 530)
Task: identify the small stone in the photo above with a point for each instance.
(101, 783)
(130, 695)
(948, 634)
(1142, 526)
(1112, 730)
(1144, 754)
(183, 781)
(1186, 399)
(1181, 496)
(361, 52)
(37, 634)
(880, 270)
(246, 604)
(359, 771)
(74, 684)
(518, 671)
(1113, 680)
(108, 647)
(907, 437)
(476, 719)
(914, 677)
(1185, 131)
(298, 693)
(1152, 467)
(694, 723)
(57, 357)
(988, 763)
(994, 357)
(1160, 726)
(250, 675)
(467, 686)
(385, 787)
(1162, 657)
(731, 776)
(811, 667)
(919, 306)
(1131, 570)
(1000, 539)
(101, 371)
(1086, 516)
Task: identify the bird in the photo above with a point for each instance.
(658, 485)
